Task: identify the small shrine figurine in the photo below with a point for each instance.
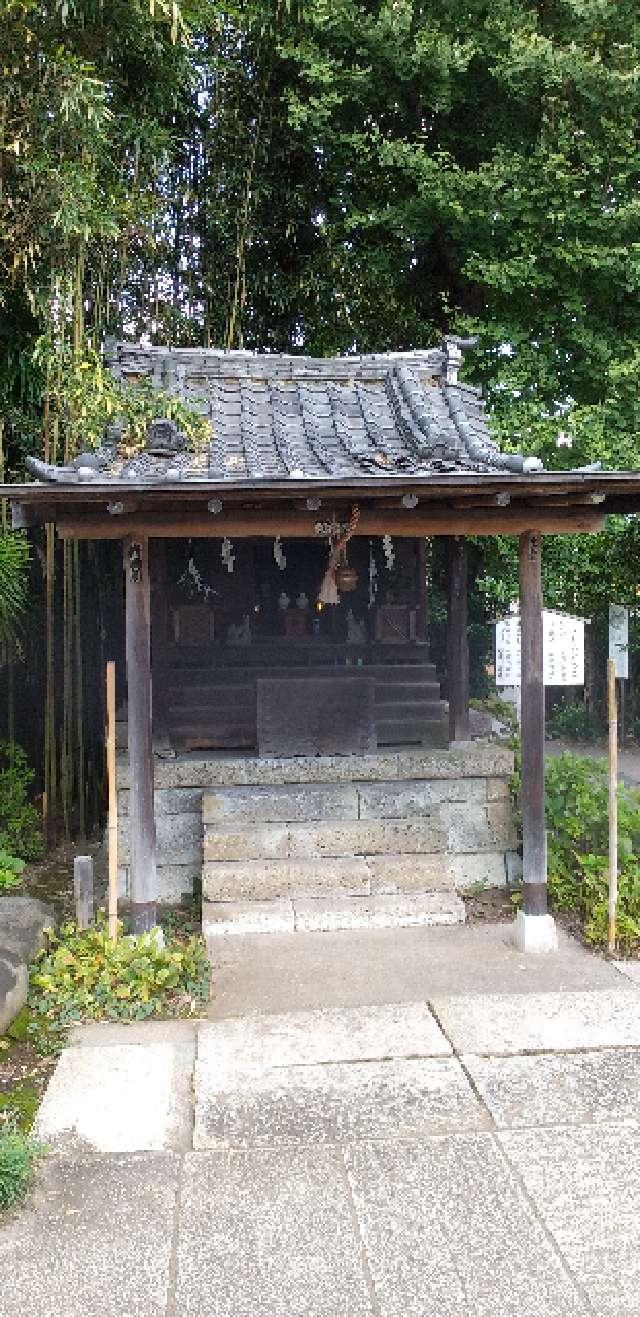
(302, 601)
(283, 601)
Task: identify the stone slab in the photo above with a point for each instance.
(173, 881)
(167, 800)
(75, 1249)
(630, 969)
(476, 827)
(449, 1233)
(400, 800)
(334, 1103)
(178, 839)
(229, 769)
(368, 837)
(488, 869)
(540, 1022)
(577, 1088)
(268, 841)
(409, 873)
(264, 880)
(240, 918)
(281, 804)
(118, 1098)
(304, 1038)
(585, 1184)
(269, 1233)
(400, 910)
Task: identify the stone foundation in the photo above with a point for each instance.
(411, 821)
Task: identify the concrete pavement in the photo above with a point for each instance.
(457, 1154)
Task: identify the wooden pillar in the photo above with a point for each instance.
(421, 593)
(142, 828)
(534, 849)
(457, 639)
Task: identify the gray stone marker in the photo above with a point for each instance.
(585, 1184)
(94, 1240)
(559, 1088)
(449, 1233)
(269, 1234)
(540, 1022)
(83, 890)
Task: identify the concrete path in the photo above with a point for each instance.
(464, 1153)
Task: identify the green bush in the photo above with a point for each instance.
(86, 976)
(11, 871)
(20, 833)
(18, 1154)
(578, 842)
(572, 722)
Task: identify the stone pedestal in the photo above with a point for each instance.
(535, 933)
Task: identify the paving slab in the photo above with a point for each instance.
(449, 1232)
(269, 1234)
(560, 1088)
(317, 1104)
(630, 969)
(500, 1024)
(94, 1239)
(313, 1037)
(585, 1184)
(369, 967)
(118, 1098)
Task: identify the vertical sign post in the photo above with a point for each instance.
(112, 830)
(613, 801)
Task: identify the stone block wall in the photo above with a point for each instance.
(406, 821)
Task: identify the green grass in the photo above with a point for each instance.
(18, 1154)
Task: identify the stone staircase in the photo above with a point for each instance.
(376, 850)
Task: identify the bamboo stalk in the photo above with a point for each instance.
(613, 801)
(112, 830)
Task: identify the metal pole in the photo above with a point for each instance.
(613, 801)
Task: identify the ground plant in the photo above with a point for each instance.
(577, 831)
(18, 1154)
(87, 976)
(573, 721)
(11, 871)
(20, 830)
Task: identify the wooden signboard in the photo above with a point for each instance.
(316, 716)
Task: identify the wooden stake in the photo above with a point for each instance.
(613, 800)
(113, 800)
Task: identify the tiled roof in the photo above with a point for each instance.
(275, 417)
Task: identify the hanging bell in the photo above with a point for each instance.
(346, 577)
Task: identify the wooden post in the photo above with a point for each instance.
(83, 890)
(457, 639)
(112, 829)
(534, 842)
(142, 829)
(613, 801)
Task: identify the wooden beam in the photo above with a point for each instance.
(297, 525)
(421, 565)
(457, 639)
(534, 848)
(142, 828)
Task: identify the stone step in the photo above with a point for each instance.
(330, 914)
(356, 875)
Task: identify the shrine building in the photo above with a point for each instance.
(286, 744)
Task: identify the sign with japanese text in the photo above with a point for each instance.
(563, 641)
(619, 639)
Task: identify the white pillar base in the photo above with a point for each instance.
(535, 933)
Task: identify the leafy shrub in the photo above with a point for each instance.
(578, 842)
(572, 722)
(84, 975)
(17, 1157)
(20, 833)
(11, 870)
